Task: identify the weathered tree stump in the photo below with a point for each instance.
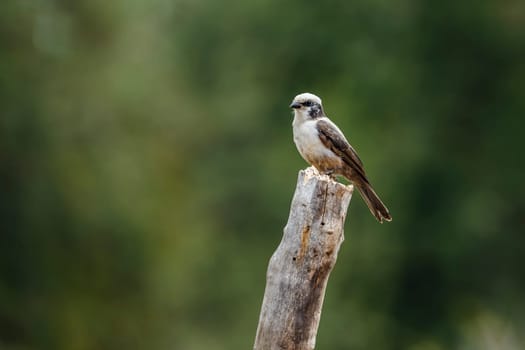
(299, 269)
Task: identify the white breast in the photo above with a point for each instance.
(306, 138)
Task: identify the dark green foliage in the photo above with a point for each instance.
(147, 168)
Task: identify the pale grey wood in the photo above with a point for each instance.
(298, 270)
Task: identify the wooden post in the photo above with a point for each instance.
(299, 269)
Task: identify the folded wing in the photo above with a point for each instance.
(333, 139)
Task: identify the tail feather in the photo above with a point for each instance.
(374, 203)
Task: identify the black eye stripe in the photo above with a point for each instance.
(307, 104)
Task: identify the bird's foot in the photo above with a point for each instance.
(331, 172)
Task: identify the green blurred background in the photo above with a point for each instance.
(147, 168)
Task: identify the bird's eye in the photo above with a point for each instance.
(308, 104)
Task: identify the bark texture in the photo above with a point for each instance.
(299, 269)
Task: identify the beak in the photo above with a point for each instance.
(295, 105)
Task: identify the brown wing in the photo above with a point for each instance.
(336, 142)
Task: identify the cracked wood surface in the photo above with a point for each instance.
(298, 270)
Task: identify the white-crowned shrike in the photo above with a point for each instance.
(323, 145)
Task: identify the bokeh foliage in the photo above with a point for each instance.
(147, 167)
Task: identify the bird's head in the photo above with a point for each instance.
(307, 106)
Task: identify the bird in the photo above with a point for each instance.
(322, 144)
